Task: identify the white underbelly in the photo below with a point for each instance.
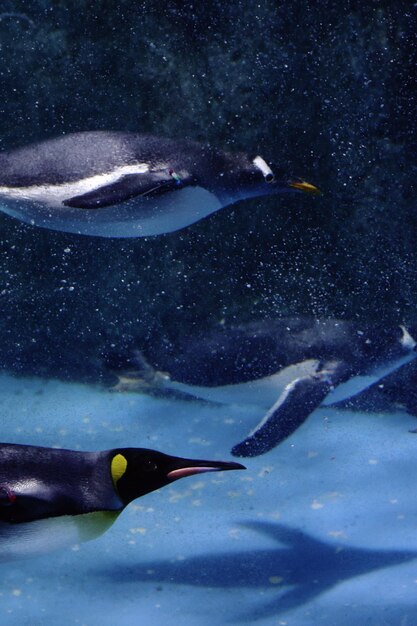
(262, 392)
(139, 217)
(31, 539)
(357, 384)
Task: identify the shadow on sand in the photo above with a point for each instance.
(301, 569)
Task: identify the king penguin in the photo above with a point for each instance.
(51, 498)
(119, 184)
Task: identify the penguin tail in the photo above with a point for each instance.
(150, 375)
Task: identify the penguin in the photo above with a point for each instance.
(51, 498)
(120, 184)
(287, 367)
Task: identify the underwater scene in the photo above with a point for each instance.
(208, 325)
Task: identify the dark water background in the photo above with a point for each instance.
(325, 89)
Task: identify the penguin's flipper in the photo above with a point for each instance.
(147, 184)
(299, 398)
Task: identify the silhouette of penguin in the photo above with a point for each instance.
(118, 184)
(288, 366)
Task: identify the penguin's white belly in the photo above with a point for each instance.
(31, 539)
(357, 384)
(262, 392)
(138, 217)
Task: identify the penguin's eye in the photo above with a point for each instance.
(269, 178)
(150, 466)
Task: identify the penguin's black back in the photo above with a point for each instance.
(48, 482)
(230, 355)
(81, 155)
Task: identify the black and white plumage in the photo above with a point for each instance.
(117, 184)
(51, 498)
(288, 367)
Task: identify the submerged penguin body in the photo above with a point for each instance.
(115, 184)
(52, 498)
(290, 366)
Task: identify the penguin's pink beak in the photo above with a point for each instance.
(192, 467)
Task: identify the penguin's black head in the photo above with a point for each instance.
(277, 180)
(137, 471)
(253, 177)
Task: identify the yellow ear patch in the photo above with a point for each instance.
(118, 467)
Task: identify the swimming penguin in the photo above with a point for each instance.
(288, 366)
(51, 498)
(117, 184)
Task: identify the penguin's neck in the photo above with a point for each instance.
(231, 194)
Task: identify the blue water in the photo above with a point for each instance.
(321, 530)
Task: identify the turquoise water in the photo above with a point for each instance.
(310, 533)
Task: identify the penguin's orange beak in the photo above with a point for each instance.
(302, 185)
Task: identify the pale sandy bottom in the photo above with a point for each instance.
(322, 530)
